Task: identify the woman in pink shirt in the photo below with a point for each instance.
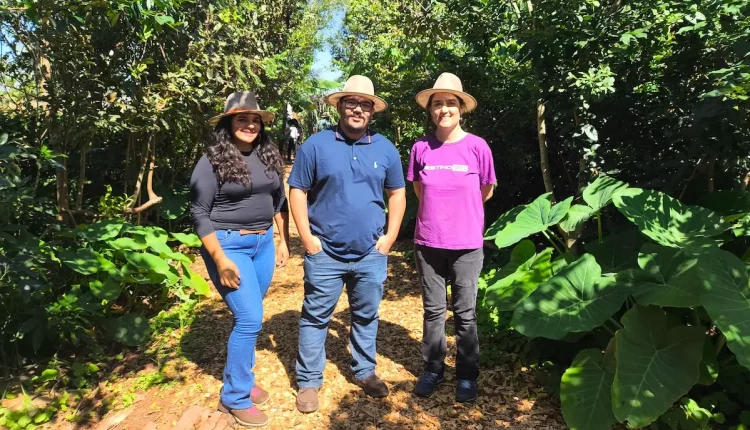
(453, 175)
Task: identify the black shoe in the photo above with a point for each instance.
(466, 390)
(428, 383)
(374, 387)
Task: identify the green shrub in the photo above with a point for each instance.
(675, 302)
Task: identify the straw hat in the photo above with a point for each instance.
(447, 83)
(358, 85)
(242, 102)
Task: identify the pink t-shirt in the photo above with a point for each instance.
(451, 211)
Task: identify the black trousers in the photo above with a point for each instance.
(461, 268)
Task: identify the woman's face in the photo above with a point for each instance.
(246, 127)
(445, 110)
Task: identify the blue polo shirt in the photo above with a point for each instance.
(345, 181)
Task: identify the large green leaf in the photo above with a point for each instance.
(726, 298)
(166, 252)
(502, 221)
(534, 218)
(127, 243)
(129, 329)
(519, 255)
(709, 365)
(657, 363)
(577, 299)
(109, 267)
(100, 231)
(148, 262)
(195, 281)
(668, 221)
(598, 194)
(85, 261)
(586, 390)
(669, 277)
(106, 290)
(577, 215)
(508, 291)
(190, 240)
(617, 252)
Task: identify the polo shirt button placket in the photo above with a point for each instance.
(355, 162)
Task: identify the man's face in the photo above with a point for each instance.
(356, 112)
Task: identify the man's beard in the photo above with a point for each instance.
(361, 126)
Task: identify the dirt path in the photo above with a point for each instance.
(175, 383)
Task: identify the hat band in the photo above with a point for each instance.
(241, 110)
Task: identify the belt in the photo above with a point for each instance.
(244, 232)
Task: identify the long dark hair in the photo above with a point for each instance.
(227, 160)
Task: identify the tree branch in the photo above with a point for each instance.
(81, 176)
(152, 197)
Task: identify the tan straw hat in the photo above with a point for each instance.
(447, 83)
(358, 85)
(242, 102)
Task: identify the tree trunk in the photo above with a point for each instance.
(745, 182)
(711, 172)
(63, 208)
(141, 173)
(81, 177)
(543, 151)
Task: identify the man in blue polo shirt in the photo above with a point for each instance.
(336, 198)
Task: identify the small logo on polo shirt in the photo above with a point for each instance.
(375, 165)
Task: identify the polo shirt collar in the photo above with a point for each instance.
(366, 138)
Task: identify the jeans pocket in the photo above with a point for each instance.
(308, 255)
(222, 235)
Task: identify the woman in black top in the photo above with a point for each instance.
(237, 191)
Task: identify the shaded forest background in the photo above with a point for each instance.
(104, 108)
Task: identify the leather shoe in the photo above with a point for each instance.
(251, 417)
(374, 386)
(307, 400)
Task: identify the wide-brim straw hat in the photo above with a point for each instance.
(358, 85)
(451, 84)
(243, 102)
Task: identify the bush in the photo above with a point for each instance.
(64, 288)
(665, 304)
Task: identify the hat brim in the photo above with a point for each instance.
(265, 115)
(380, 104)
(424, 97)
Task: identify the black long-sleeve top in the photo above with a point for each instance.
(230, 206)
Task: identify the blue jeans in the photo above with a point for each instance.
(254, 255)
(325, 278)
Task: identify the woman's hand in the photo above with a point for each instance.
(229, 274)
(282, 254)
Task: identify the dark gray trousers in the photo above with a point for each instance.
(460, 268)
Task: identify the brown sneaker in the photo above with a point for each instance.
(374, 386)
(259, 396)
(251, 417)
(307, 400)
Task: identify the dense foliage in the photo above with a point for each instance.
(655, 92)
(572, 95)
(103, 109)
(655, 312)
(122, 91)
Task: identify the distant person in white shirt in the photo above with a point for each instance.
(293, 138)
